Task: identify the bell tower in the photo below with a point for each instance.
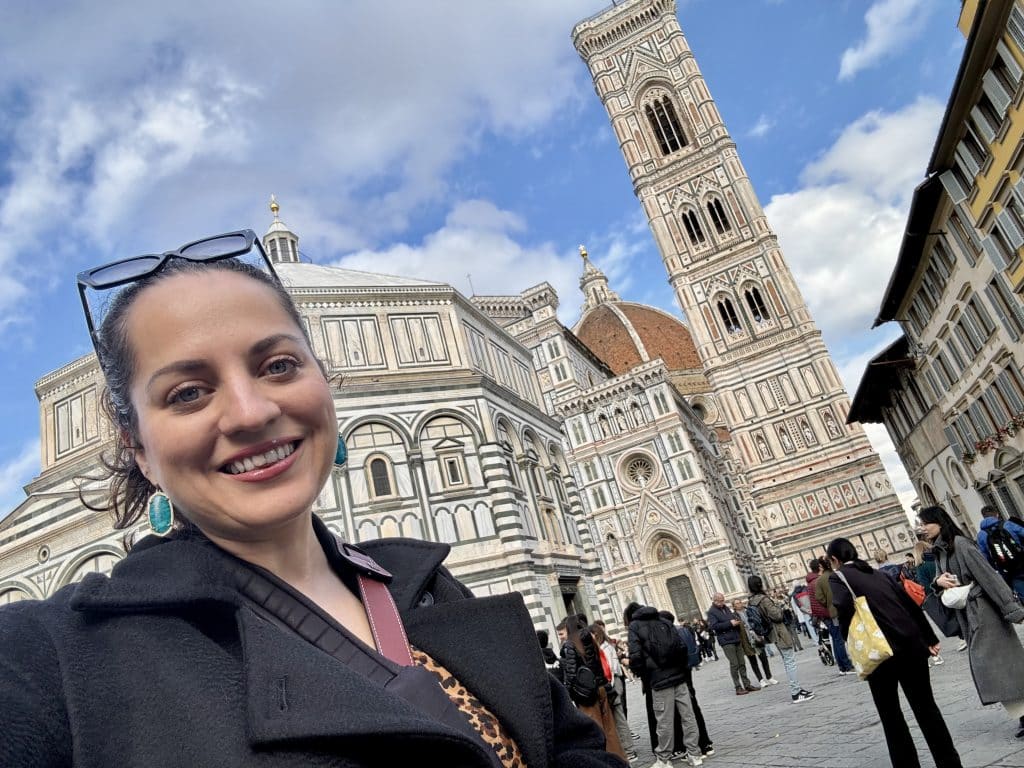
(776, 388)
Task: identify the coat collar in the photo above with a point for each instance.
(166, 573)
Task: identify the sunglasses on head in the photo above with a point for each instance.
(124, 271)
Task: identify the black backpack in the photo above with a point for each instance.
(758, 623)
(1004, 551)
(664, 645)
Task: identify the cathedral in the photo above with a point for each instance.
(637, 455)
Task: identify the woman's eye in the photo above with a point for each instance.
(280, 366)
(184, 395)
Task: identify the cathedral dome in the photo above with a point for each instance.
(624, 335)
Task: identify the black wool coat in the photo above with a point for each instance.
(640, 662)
(166, 664)
(901, 619)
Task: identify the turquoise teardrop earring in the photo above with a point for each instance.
(161, 513)
(341, 454)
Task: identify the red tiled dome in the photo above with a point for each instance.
(624, 335)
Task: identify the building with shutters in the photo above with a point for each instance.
(950, 389)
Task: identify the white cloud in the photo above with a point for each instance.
(15, 473)
(161, 114)
(890, 24)
(843, 226)
(477, 239)
(762, 127)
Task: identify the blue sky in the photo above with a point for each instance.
(435, 140)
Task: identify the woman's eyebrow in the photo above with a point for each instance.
(263, 345)
(179, 366)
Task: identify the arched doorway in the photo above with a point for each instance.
(684, 601)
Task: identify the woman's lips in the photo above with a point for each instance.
(270, 471)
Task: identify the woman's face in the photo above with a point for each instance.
(929, 530)
(236, 421)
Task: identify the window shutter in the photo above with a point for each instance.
(1015, 26)
(994, 300)
(980, 419)
(1010, 228)
(967, 161)
(983, 126)
(954, 443)
(1009, 392)
(964, 426)
(994, 90)
(953, 187)
(995, 406)
(994, 253)
(1011, 63)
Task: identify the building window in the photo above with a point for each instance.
(380, 478)
(758, 310)
(598, 497)
(589, 472)
(685, 469)
(660, 403)
(453, 470)
(675, 442)
(560, 374)
(717, 213)
(1006, 306)
(693, 228)
(639, 471)
(729, 316)
(661, 114)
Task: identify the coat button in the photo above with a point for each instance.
(427, 599)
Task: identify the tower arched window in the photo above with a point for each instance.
(693, 228)
(729, 316)
(717, 213)
(380, 478)
(661, 114)
(758, 309)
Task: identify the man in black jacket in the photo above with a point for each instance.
(726, 623)
(664, 670)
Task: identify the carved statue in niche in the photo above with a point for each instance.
(666, 550)
(602, 422)
(809, 438)
(830, 423)
(762, 447)
(705, 527)
(784, 438)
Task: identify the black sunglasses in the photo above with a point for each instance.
(125, 271)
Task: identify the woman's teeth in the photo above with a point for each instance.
(250, 463)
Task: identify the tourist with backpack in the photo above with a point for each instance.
(583, 669)
(658, 655)
(986, 609)
(779, 635)
(1002, 543)
(725, 623)
(752, 642)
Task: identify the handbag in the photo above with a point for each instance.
(944, 618)
(956, 597)
(865, 644)
(915, 590)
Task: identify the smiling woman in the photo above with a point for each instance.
(243, 622)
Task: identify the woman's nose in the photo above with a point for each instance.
(247, 407)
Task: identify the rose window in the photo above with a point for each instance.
(640, 471)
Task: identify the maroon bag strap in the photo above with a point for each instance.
(385, 623)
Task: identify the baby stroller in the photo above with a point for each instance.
(825, 646)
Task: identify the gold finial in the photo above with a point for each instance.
(274, 207)
(583, 252)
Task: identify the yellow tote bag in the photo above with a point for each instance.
(866, 645)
